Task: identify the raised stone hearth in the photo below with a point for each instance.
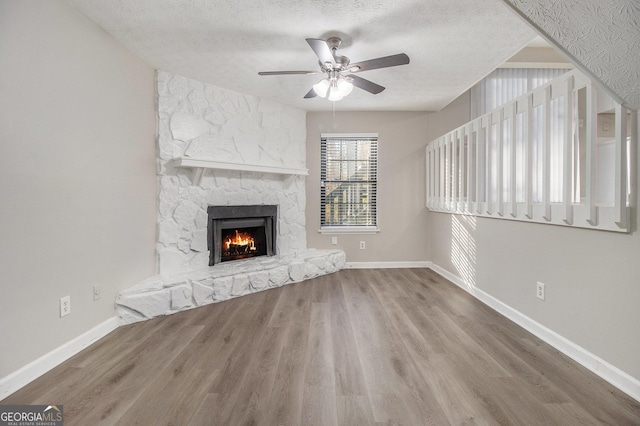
(167, 294)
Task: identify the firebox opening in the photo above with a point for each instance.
(243, 243)
(239, 232)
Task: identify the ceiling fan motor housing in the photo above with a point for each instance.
(340, 62)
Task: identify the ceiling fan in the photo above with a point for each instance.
(340, 72)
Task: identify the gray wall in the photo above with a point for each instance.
(401, 184)
(77, 174)
(592, 278)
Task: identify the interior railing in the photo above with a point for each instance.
(559, 154)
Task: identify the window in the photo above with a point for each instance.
(348, 182)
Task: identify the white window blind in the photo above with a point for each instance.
(348, 181)
(505, 84)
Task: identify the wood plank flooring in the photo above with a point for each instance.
(358, 347)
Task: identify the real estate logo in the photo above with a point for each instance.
(31, 415)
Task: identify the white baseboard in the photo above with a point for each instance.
(25, 375)
(618, 378)
(386, 265)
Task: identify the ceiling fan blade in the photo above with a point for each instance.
(365, 84)
(321, 49)
(311, 94)
(287, 72)
(384, 62)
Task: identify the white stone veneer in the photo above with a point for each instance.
(167, 294)
(204, 121)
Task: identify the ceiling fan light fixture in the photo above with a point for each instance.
(344, 86)
(335, 94)
(321, 88)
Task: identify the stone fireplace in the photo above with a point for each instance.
(241, 232)
(228, 169)
(203, 122)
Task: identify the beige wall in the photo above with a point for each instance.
(452, 116)
(77, 175)
(592, 278)
(402, 217)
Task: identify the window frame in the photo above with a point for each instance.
(349, 229)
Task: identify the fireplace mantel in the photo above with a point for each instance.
(200, 164)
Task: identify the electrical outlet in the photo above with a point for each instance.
(97, 292)
(540, 290)
(362, 245)
(65, 306)
(334, 240)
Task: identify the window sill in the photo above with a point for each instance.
(349, 230)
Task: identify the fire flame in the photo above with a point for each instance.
(241, 239)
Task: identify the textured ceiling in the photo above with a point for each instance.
(452, 44)
(603, 38)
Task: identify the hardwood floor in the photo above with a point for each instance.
(358, 347)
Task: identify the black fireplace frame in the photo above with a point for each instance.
(225, 217)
